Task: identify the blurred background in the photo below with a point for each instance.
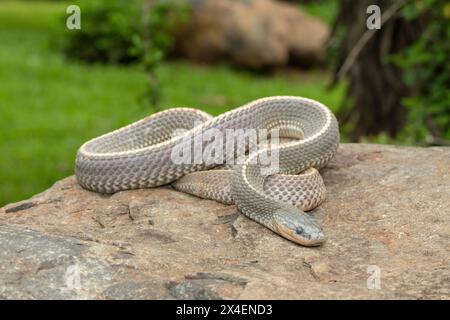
(61, 87)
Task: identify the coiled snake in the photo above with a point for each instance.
(141, 155)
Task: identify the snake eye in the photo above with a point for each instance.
(299, 230)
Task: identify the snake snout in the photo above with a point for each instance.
(298, 227)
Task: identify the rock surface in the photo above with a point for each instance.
(252, 34)
(387, 207)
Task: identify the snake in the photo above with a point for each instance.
(147, 153)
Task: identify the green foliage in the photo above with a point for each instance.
(107, 30)
(112, 31)
(426, 69)
(155, 40)
(120, 31)
(164, 17)
(325, 9)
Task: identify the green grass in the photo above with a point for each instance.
(49, 106)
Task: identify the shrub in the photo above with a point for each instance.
(426, 71)
(112, 30)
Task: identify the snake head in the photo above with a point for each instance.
(298, 227)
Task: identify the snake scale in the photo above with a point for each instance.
(140, 155)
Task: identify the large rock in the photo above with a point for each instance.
(387, 214)
(253, 34)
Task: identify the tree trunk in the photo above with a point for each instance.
(373, 102)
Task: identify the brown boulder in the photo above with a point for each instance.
(252, 34)
(387, 208)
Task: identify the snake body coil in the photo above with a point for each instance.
(140, 155)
